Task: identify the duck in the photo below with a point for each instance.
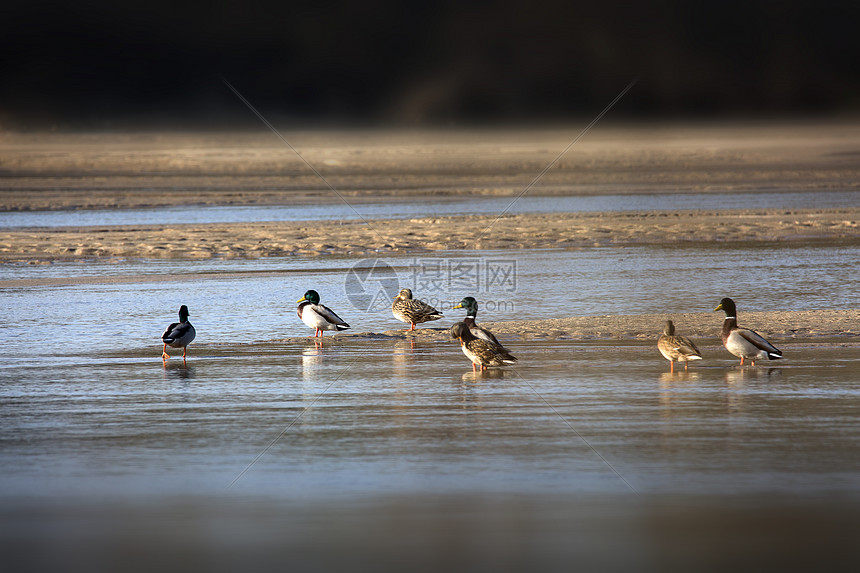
(676, 347)
(481, 352)
(178, 334)
(407, 309)
(744, 342)
(471, 306)
(318, 316)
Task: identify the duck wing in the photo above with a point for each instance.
(168, 330)
(416, 310)
(685, 346)
(329, 315)
(490, 353)
(484, 334)
(421, 308)
(176, 331)
(667, 345)
(758, 341)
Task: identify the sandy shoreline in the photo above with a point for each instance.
(777, 325)
(118, 171)
(357, 238)
(842, 325)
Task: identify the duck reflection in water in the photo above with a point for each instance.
(738, 376)
(487, 374)
(178, 371)
(403, 359)
(667, 379)
(312, 361)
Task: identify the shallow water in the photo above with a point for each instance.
(374, 417)
(378, 454)
(422, 208)
(68, 308)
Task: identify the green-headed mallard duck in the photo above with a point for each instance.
(744, 342)
(178, 334)
(406, 309)
(675, 347)
(478, 350)
(318, 316)
(471, 306)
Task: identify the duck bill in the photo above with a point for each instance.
(719, 307)
(459, 305)
(303, 299)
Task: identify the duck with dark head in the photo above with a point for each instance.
(743, 342)
(178, 334)
(471, 306)
(318, 316)
(481, 352)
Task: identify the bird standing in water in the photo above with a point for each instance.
(178, 334)
(318, 316)
(471, 306)
(744, 342)
(407, 309)
(676, 347)
(481, 352)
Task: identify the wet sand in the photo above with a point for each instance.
(118, 171)
(358, 238)
(796, 326)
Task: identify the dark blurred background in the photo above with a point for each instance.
(101, 64)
